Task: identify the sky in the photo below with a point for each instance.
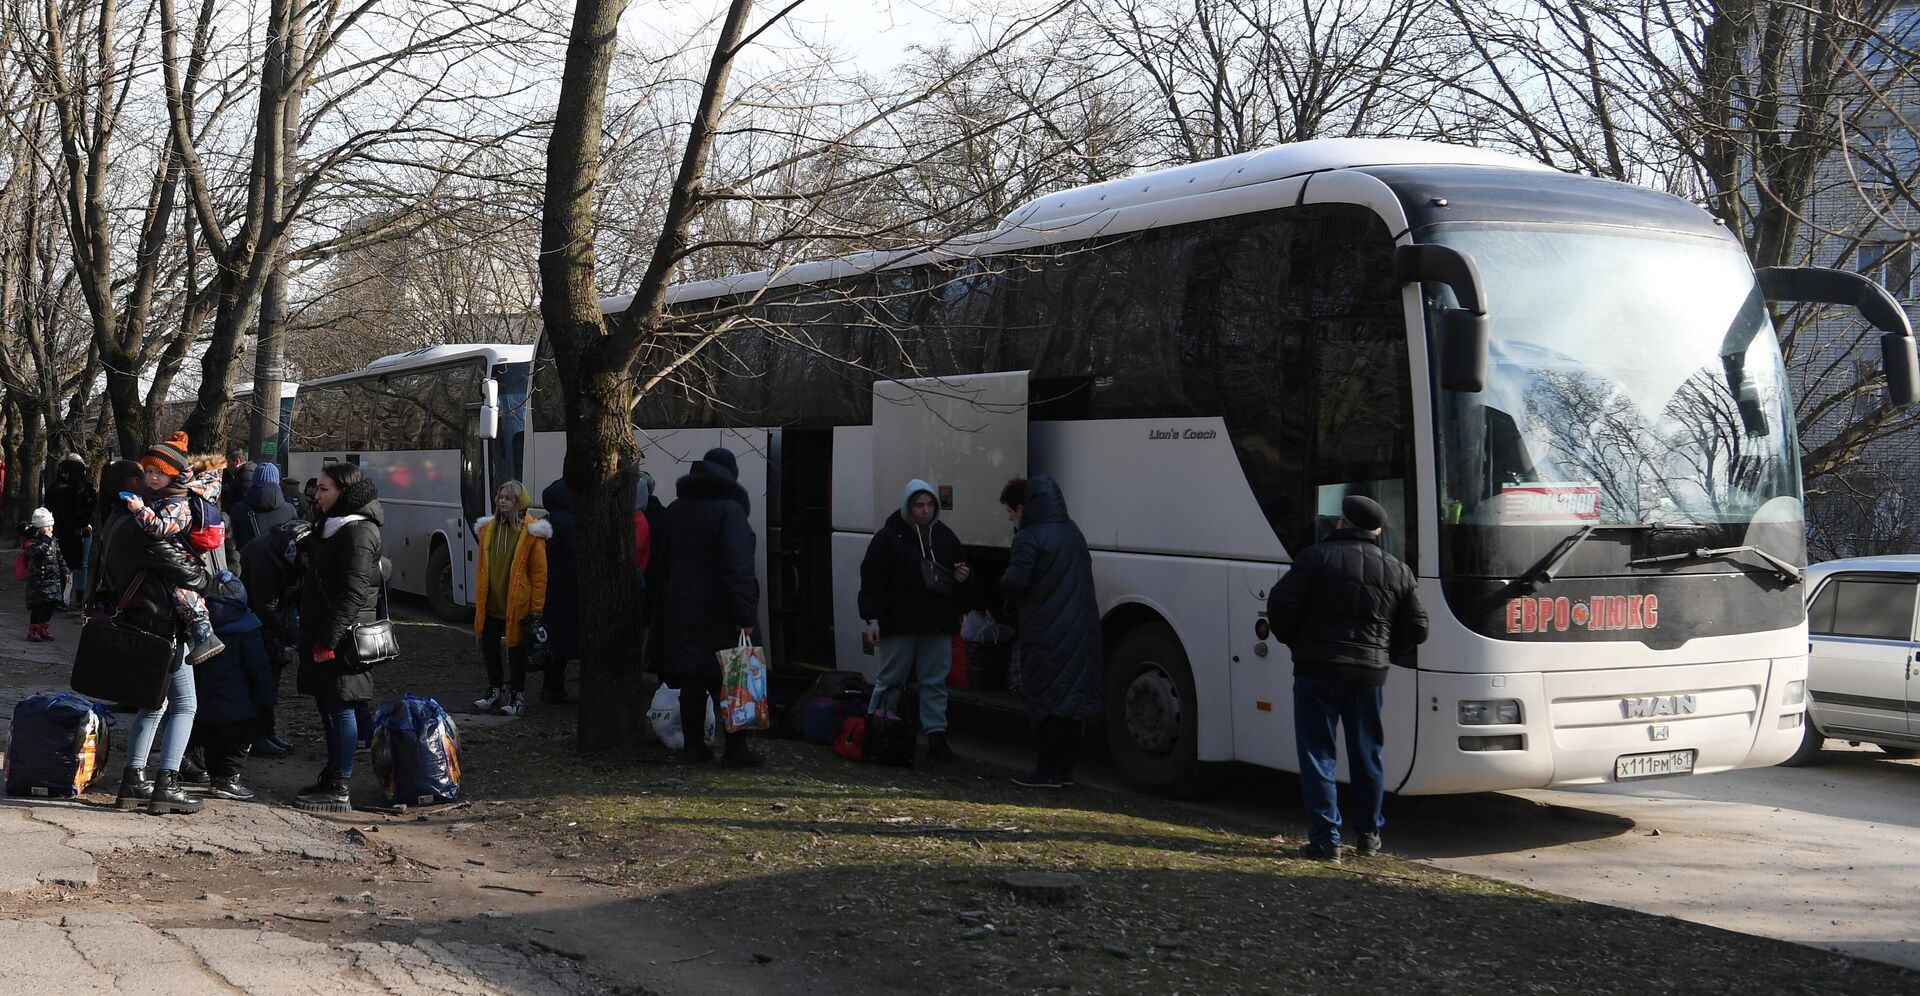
(874, 34)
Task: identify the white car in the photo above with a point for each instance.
(1863, 665)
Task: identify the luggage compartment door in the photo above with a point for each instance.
(964, 435)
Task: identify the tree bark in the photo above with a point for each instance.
(600, 443)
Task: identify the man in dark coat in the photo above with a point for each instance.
(1345, 608)
(562, 610)
(911, 616)
(271, 565)
(1050, 579)
(73, 503)
(711, 595)
(263, 507)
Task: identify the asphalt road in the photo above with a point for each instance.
(1827, 856)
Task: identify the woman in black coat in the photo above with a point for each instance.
(1050, 579)
(342, 589)
(562, 610)
(145, 570)
(711, 595)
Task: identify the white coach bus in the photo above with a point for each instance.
(1567, 393)
(436, 430)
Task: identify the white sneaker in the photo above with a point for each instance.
(516, 706)
(496, 697)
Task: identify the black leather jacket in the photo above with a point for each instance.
(125, 552)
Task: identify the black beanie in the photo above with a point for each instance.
(1363, 512)
(722, 459)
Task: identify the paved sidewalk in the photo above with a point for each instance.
(116, 953)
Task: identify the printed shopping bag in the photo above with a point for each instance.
(745, 686)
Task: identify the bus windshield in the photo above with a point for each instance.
(1634, 381)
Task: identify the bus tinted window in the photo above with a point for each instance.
(413, 410)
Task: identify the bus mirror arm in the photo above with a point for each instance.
(1463, 336)
(1824, 285)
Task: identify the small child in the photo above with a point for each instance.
(173, 481)
(47, 575)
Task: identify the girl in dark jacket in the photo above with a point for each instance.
(711, 596)
(237, 689)
(911, 609)
(145, 570)
(342, 589)
(1050, 579)
(47, 575)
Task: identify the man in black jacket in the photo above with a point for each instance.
(711, 596)
(1345, 608)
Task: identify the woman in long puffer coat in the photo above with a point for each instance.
(1050, 578)
(712, 596)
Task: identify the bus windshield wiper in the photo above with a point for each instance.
(1783, 569)
(1547, 570)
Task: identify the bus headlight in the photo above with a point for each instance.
(1498, 712)
(1796, 693)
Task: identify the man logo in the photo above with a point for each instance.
(1658, 705)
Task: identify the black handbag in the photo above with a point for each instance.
(938, 579)
(118, 663)
(371, 643)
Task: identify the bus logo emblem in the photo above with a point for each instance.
(1658, 705)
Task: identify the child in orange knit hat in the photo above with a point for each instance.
(174, 480)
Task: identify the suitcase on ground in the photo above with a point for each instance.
(829, 685)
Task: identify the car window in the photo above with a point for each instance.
(1875, 609)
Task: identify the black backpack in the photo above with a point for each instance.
(890, 732)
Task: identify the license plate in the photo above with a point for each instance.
(1672, 762)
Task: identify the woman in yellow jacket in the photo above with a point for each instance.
(512, 586)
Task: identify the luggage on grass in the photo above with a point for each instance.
(825, 717)
(851, 742)
(58, 746)
(664, 717)
(890, 733)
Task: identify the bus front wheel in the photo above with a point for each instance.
(440, 586)
(1811, 743)
(1152, 723)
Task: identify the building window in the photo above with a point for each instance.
(1889, 263)
(1893, 43)
(1886, 156)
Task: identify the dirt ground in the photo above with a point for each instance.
(643, 874)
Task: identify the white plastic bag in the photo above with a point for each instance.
(664, 717)
(978, 627)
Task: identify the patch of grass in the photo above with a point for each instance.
(868, 871)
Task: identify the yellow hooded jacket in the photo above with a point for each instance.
(526, 582)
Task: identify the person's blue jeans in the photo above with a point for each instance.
(339, 720)
(1319, 705)
(80, 574)
(172, 722)
(926, 657)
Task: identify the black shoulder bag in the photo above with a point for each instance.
(120, 663)
(371, 643)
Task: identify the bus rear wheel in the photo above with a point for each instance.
(440, 586)
(1153, 727)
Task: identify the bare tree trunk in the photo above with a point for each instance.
(600, 444)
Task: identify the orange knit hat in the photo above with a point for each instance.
(169, 457)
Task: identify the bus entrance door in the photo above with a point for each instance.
(964, 435)
(1262, 672)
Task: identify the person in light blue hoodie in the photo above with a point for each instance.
(909, 599)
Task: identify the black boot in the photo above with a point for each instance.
(737, 755)
(320, 783)
(193, 768)
(329, 796)
(230, 788)
(169, 797)
(693, 731)
(135, 788)
(938, 750)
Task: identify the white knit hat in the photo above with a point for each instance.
(41, 518)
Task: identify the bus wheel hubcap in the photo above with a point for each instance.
(1153, 711)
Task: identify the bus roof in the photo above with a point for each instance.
(427, 356)
(1056, 210)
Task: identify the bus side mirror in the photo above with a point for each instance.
(1824, 285)
(490, 409)
(1463, 331)
(1463, 351)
